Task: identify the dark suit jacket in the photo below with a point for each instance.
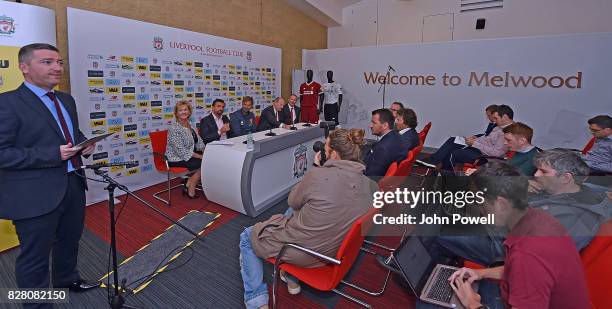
(268, 119)
(490, 128)
(411, 139)
(288, 114)
(33, 177)
(209, 131)
(387, 150)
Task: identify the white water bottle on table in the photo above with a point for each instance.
(250, 140)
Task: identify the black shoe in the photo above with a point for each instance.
(82, 286)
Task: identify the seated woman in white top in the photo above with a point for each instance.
(184, 147)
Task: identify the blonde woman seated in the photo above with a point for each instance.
(184, 147)
(322, 208)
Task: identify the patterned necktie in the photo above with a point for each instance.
(291, 112)
(74, 159)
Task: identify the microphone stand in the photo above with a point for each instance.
(384, 85)
(292, 121)
(118, 299)
(270, 133)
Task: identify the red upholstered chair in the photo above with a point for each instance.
(328, 277)
(423, 133)
(597, 262)
(588, 146)
(387, 183)
(159, 141)
(257, 118)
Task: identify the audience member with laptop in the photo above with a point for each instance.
(542, 267)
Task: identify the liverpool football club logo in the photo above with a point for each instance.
(158, 43)
(7, 25)
(300, 162)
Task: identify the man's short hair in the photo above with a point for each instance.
(519, 129)
(218, 101)
(25, 53)
(247, 99)
(409, 117)
(563, 161)
(400, 104)
(500, 179)
(277, 99)
(505, 110)
(293, 95)
(384, 116)
(602, 121)
(491, 108)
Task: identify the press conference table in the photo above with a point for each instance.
(252, 180)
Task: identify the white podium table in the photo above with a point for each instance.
(252, 180)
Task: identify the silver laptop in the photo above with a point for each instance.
(428, 281)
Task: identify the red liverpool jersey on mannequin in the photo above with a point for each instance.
(309, 94)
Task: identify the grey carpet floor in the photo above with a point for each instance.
(205, 276)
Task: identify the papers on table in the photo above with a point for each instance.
(223, 142)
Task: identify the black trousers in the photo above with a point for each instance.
(450, 154)
(330, 112)
(57, 233)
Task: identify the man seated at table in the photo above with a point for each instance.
(292, 111)
(242, 121)
(451, 153)
(517, 137)
(542, 267)
(599, 158)
(388, 149)
(272, 116)
(215, 126)
(405, 122)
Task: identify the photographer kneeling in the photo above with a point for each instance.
(322, 208)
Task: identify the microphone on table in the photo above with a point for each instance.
(270, 133)
(100, 165)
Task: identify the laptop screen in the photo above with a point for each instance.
(415, 263)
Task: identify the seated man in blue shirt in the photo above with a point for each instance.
(242, 121)
(599, 158)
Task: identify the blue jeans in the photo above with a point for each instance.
(251, 269)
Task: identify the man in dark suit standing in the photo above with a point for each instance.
(292, 111)
(389, 148)
(406, 121)
(40, 189)
(273, 117)
(215, 126)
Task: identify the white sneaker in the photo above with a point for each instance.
(292, 287)
(425, 163)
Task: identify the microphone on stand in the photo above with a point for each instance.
(292, 120)
(100, 165)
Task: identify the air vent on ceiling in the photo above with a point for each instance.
(477, 5)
